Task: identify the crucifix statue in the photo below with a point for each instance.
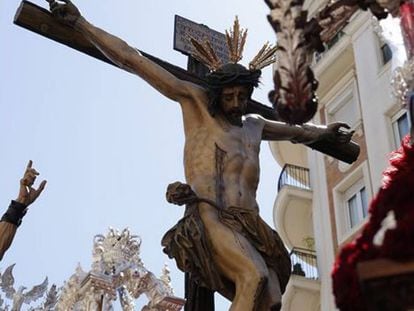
(221, 240)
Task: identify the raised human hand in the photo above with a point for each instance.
(65, 11)
(28, 194)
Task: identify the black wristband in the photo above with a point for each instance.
(15, 213)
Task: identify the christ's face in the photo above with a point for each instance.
(233, 103)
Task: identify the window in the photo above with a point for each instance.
(351, 201)
(386, 53)
(357, 207)
(346, 111)
(345, 106)
(400, 126)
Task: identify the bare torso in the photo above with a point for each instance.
(221, 160)
(222, 164)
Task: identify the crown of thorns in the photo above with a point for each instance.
(235, 39)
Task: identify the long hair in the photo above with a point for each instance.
(227, 76)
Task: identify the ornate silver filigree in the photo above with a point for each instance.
(70, 295)
(20, 296)
(378, 30)
(4, 307)
(127, 302)
(50, 300)
(115, 252)
(403, 81)
(117, 269)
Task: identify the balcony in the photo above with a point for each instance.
(339, 59)
(292, 212)
(303, 289)
(294, 176)
(328, 45)
(304, 263)
(286, 152)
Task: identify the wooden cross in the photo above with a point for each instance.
(41, 21)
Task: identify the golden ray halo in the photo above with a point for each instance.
(235, 39)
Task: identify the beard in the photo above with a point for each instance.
(234, 118)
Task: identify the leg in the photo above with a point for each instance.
(237, 260)
(272, 297)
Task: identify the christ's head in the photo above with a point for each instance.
(230, 88)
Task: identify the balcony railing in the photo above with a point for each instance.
(328, 45)
(304, 263)
(295, 176)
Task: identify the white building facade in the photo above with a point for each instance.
(322, 203)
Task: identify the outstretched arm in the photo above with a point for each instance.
(307, 133)
(123, 55)
(17, 208)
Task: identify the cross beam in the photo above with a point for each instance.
(39, 20)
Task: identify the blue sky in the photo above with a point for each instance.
(107, 143)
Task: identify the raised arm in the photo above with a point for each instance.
(17, 208)
(123, 55)
(306, 133)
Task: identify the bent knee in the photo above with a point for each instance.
(276, 307)
(255, 278)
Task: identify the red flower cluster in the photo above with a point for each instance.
(397, 195)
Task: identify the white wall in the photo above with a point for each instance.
(373, 83)
(322, 229)
(375, 97)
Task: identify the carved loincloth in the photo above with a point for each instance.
(264, 239)
(188, 244)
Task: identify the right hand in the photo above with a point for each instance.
(335, 134)
(65, 12)
(28, 194)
